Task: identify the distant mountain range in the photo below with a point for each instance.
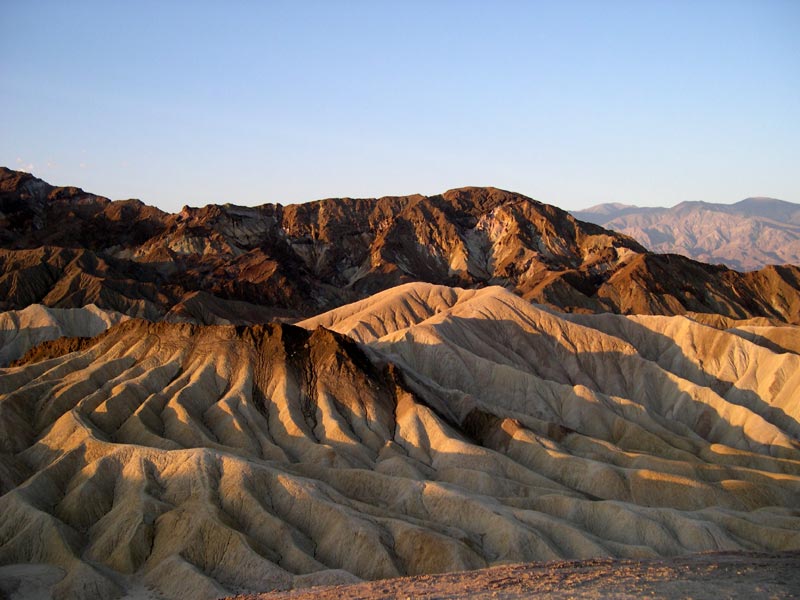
(745, 236)
(65, 248)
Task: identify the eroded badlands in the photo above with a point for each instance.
(422, 430)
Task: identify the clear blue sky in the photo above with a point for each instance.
(572, 103)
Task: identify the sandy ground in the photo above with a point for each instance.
(705, 576)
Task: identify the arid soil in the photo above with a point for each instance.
(713, 576)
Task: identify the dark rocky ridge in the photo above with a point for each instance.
(63, 247)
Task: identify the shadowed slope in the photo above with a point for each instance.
(470, 428)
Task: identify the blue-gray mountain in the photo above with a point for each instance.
(745, 236)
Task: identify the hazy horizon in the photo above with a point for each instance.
(544, 200)
(648, 104)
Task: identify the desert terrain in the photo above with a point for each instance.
(713, 576)
(303, 300)
(227, 264)
(427, 429)
(475, 380)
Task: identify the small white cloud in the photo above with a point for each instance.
(23, 166)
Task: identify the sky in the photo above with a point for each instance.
(572, 103)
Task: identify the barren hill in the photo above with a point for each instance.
(468, 428)
(21, 330)
(64, 248)
(746, 236)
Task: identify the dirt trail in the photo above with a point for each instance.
(704, 576)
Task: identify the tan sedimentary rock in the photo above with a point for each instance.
(468, 428)
(21, 330)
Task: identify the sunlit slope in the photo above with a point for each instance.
(469, 428)
(495, 346)
(21, 330)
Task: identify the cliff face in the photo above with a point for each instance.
(228, 264)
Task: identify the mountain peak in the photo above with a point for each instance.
(608, 208)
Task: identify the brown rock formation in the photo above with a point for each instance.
(66, 248)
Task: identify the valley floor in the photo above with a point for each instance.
(711, 575)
